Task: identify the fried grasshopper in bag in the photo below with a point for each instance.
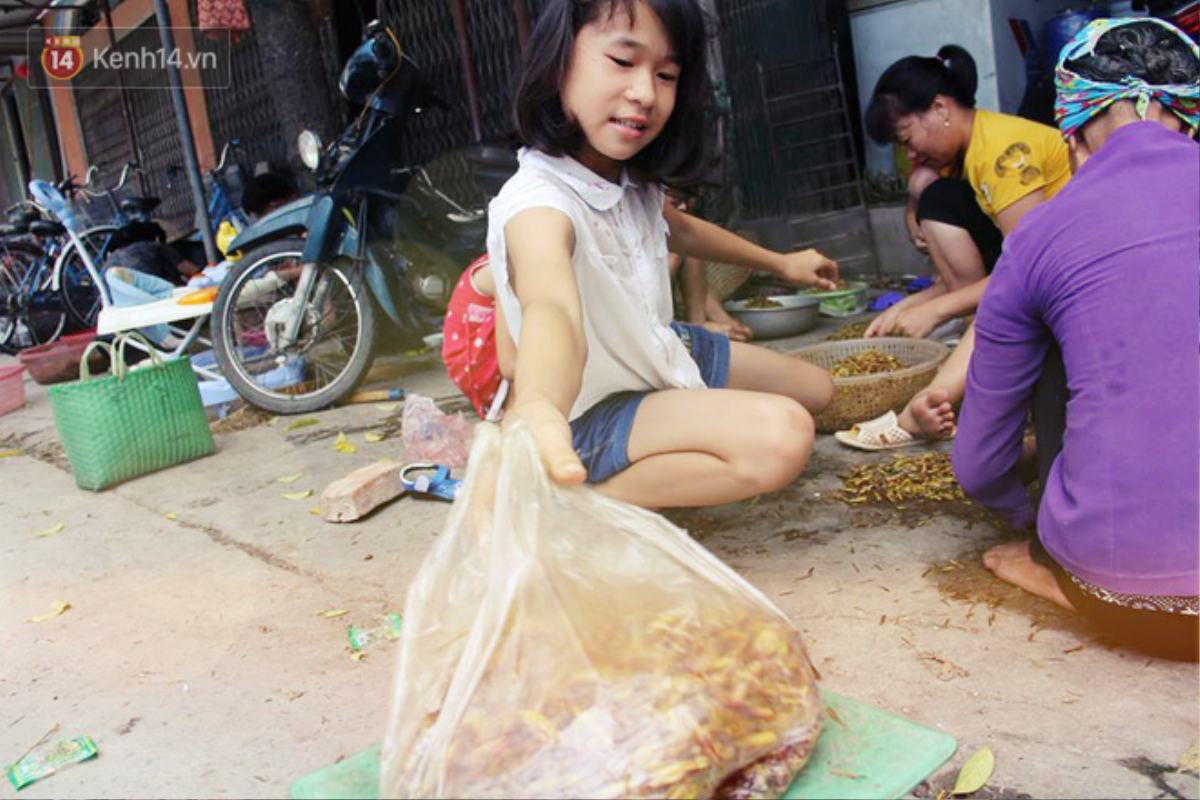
(561, 644)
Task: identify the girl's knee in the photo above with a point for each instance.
(782, 446)
(919, 180)
(822, 393)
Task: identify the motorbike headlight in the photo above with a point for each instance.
(309, 145)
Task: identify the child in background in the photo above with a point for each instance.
(478, 353)
(701, 306)
(652, 412)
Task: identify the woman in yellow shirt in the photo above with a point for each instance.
(975, 174)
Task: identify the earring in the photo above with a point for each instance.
(946, 123)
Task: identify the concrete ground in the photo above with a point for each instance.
(195, 655)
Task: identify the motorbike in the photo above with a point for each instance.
(296, 320)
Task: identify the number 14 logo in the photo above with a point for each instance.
(62, 57)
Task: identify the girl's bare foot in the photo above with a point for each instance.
(1012, 563)
(929, 415)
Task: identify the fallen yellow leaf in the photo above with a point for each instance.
(315, 511)
(290, 478)
(1190, 761)
(387, 406)
(10, 453)
(342, 445)
(58, 608)
(297, 495)
(272, 420)
(302, 423)
(373, 437)
(975, 772)
(359, 656)
(53, 529)
(171, 515)
(333, 612)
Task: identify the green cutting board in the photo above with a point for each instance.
(865, 752)
(862, 753)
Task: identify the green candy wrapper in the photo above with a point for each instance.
(360, 638)
(36, 766)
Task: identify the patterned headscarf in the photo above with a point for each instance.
(1079, 99)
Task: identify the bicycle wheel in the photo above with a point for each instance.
(76, 285)
(29, 313)
(332, 352)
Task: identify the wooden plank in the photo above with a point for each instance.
(362, 491)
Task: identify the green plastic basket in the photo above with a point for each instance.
(131, 422)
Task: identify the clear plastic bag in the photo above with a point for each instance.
(430, 434)
(561, 644)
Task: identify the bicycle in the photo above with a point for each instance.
(78, 271)
(31, 310)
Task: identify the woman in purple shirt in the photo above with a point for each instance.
(1090, 319)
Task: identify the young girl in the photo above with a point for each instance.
(609, 106)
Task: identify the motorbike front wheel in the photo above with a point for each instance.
(332, 351)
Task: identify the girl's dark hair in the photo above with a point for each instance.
(1143, 50)
(678, 154)
(910, 85)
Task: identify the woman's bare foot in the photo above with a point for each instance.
(929, 415)
(1012, 563)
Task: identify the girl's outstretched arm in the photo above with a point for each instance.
(552, 348)
(692, 236)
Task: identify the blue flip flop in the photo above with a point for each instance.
(439, 484)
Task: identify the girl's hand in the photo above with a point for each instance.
(552, 433)
(809, 268)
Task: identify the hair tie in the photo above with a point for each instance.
(945, 62)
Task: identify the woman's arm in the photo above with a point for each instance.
(1010, 216)
(1010, 350)
(692, 236)
(552, 349)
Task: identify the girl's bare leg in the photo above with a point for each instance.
(707, 447)
(758, 369)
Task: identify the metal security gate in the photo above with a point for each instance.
(794, 135)
(98, 100)
(426, 29)
(244, 110)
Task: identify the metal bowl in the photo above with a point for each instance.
(796, 314)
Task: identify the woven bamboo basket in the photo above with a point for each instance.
(863, 397)
(724, 279)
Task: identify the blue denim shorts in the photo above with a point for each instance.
(601, 435)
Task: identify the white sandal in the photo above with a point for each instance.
(881, 433)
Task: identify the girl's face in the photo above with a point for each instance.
(620, 88)
(927, 139)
